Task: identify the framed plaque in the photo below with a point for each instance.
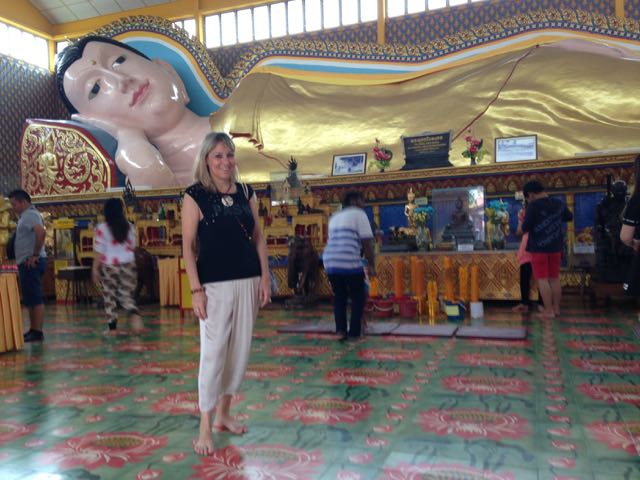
(426, 150)
(516, 149)
(349, 164)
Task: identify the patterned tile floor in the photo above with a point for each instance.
(563, 404)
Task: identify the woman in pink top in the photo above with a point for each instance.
(114, 264)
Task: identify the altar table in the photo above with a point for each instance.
(10, 314)
(499, 271)
(169, 281)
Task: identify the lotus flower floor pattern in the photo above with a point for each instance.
(562, 404)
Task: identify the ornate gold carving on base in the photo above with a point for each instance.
(61, 160)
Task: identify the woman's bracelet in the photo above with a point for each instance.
(197, 290)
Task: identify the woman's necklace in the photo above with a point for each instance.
(225, 198)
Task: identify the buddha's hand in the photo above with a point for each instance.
(136, 157)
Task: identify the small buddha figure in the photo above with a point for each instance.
(48, 164)
(409, 209)
(460, 228)
(459, 217)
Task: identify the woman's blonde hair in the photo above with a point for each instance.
(201, 173)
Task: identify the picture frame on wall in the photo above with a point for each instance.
(516, 149)
(349, 164)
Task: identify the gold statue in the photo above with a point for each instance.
(48, 164)
(409, 209)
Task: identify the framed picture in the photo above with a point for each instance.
(349, 164)
(515, 149)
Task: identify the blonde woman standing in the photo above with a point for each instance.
(225, 257)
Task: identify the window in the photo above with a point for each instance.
(212, 31)
(368, 10)
(312, 15)
(349, 12)
(415, 6)
(295, 17)
(331, 11)
(261, 22)
(229, 26)
(24, 46)
(4, 39)
(38, 51)
(245, 25)
(278, 20)
(188, 25)
(395, 8)
(61, 45)
(291, 17)
(435, 4)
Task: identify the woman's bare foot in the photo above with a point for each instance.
(135, 321)
(226, 423)
(521, 308)
(547, 314)
(204, 444)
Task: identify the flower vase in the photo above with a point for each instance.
(381, 170)
(489, 234)
(497, 239)
(473, 161)
(423, 238)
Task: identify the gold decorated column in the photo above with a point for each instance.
(620, 9)
(375, 209)
(382, 17)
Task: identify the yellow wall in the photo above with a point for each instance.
(24, 14)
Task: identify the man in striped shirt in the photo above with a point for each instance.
(349, 235)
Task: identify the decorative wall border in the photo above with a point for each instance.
(583, 174)
(382, 61)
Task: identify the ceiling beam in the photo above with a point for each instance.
(24, 15)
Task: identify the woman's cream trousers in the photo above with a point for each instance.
(225, 338)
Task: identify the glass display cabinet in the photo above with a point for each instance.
(63, 237)
(458, 222)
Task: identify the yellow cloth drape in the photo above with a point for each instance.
(562, 94)
(169, 281)
(10, 314)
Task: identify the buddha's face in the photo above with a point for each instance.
(115, 84)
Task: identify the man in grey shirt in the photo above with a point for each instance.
(31, 260)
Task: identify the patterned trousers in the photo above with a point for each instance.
(118, 282)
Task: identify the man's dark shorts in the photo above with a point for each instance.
(31, 282)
